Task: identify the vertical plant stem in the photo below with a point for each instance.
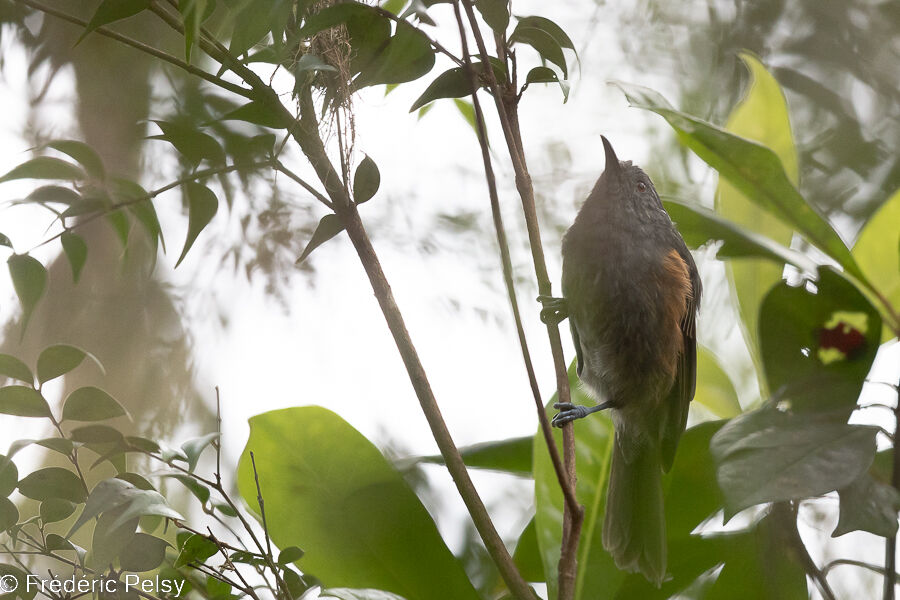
(506, 100)
(506, 263)
(890, 546)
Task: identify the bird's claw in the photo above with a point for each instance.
(554, 311)
(568, 412)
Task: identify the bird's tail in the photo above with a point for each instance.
(634, 529)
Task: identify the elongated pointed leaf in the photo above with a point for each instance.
(4, 241)
(86, 156)
(495, 13)
(452, 83)
(331, 491)
(202, 207)
(513, 455)
(110, 11)
(58, 360)
(259, 114)
(29, 278)
(76, 252)
(554, 30)
(44, 167)
(192, 143)
(328, 227)
(549, 49)
(753, 169)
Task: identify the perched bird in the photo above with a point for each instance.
(631, 293)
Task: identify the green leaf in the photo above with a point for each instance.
(328, 487)
(196, 549)
(56, 509)
(513, 455)
(144, 503)
(9, 476)
(289, 555)
(192, 143)
(818, 344)
(4, 241)
(202, 207)
(355, 594)
(878, 253)
(762, 116)
(91, 404)
(467, 112)
(135, 480)
(192, 12)
(44, 167)
(56, 542)
(771, 456)
(12, 367)
(96, 434)
(700, 226)
(549, 49)
(111, 537)
(110, 11)
(868, 505)
(452, 83)
(59, 445)
(142, 444)
(52, 482)
(195, 487)
(715, 391)
(23, 592)
(59, 359)
(328, 227)
(597, 573)
(143, 553)
(29, 278)
(118, 219)
(527, 555)
(195, 447)
(84, 154)
(9, 514)
(106, 495)
(76, 252)
(756, 171)
(554, 30)
(495, 13)
(145, 213)
(407, 57)
(366, 180)
(54, 194)
(22, 401)
(258, 114)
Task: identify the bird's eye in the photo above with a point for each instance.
(641, 186)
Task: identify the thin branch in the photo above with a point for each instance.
(785, 514)
(262, 505)
(853, 563)
(218, 81)
(434, 44)
(219, 438)
(508, 279)
(248, 589)
(279, 166)
(890, 546)
(507, 110)
(195, 176)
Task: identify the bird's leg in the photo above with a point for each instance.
(555, 310)
(569, 412)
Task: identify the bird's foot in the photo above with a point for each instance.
(554, 311)
(569, 412)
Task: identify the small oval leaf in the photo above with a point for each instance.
(96, 434)
(9, 476)
(58, 360)
(53, 482)
(366, 180)
(76, 252)
(12, 367)
(91, 404)
(56, 509)
(29, 279)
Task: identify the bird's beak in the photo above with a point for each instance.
(612, 161)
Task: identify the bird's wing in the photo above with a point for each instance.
(676, 405)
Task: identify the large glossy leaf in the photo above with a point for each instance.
(756, 171)
(771, 456)
(29, 278)
(202, 207)
(330, 491)
(715, 391)
(878, 253)
(597, 574)
(818, 343)
(762, 116)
